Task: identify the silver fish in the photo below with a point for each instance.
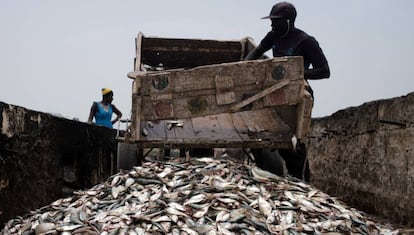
(197, 196)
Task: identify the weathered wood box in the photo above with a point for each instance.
(231, 103)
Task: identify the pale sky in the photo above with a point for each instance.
(56, 55)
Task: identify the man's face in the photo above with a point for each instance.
(280, 26)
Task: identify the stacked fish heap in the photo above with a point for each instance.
(200, 196)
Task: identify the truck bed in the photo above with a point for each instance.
(217, 101)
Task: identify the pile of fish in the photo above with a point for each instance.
(197, 196)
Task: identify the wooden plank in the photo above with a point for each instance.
(223, 83)
(138, 50)
(186, 132)
(279, 129)
(224, 90)
(206, 127)
(240, 125)
(257, 121)
(136, 110)
(220, 131)
(170, 131)
(157, 83)
(290, 95)
(227, 128)
(264, 124)
(163, 109)
(259, 95)
(279, 97)
(156, 130)
(186, 105)
(304, 117)
(298, 90)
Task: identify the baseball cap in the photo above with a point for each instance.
(282, 10)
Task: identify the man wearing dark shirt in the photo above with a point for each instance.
(286, 40)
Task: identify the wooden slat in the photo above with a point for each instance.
(224, 90)
(138, 50)
(260, 95)
(304, 117)
(240, 125)
(186, 132)
(227, 128)
(136, 110)
(256, 121)
(206, 127)
(264, 124)
(156, 130)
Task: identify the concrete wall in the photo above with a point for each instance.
(365, 156)
(43, 158)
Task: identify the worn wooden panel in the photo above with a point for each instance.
(260, 95)
(171, 134)
(240, 125)
(212, 89)
(184, 53)
(228, 130)
(199, 97)
(163, 109)
(261, 128)
(136, 109)
(138, 48)
(168, 107)
(278, 97)
(296, 88)
(256, 121)
(207, 127)
(246, 73)
(186, 132)
(265, 124)
(156, 130)
(224, 90)
(304, 116)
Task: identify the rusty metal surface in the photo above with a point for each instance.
(253, 128)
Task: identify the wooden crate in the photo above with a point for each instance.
(238, 104)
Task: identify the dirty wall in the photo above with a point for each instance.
(43, 158)
(364, 155)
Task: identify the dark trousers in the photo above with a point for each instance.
(296, 162)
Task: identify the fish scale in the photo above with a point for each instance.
(207, 195)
